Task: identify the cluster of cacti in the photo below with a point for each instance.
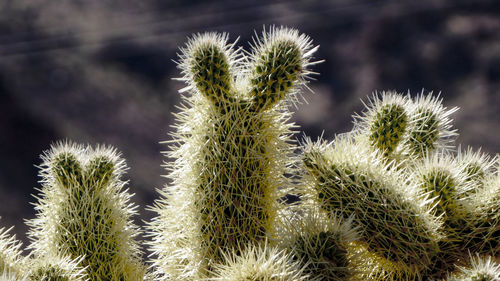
(391, 200)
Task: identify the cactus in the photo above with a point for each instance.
(320, 243)
(259, 263)
(84, 212)
(232, 149)
(478, 167)
(483, 219)
(432, 126)
(390, 200)
(481, 269)
(394, 227)
(386, 122)
(11, 260)
(54, 268)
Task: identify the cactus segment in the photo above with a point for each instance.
(483, 210)
(83, 212)
(56, 269)
(259, 263)
(385, 120)
(478, 167)
(10, 253)
(432, 126)
(394, 225)
(280, 61)
(481, 269)
(320, 243)
(208, 64)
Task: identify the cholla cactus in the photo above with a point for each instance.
(232, 149)
(483, 210)
(481, 269)
(11, 260)
(320, 243)
(83, 211)
(432, 126)
(396, 226)
(260, 263)
(402, 128)
(54, 268)
(386, 122)
(477, 167)
(10, 276)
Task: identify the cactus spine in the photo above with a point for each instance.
(84, 212)
(260, 263)
(232, 148)
(481, 269)
(11, 260)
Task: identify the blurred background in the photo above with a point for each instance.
(96, 71)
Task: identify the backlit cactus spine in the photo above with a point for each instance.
(54, 268)
(260, 263)
(11, 260)
(232, 149)
(481, 269)
(83, 212)
(397, 226)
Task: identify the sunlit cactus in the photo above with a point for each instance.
(483, 219)
(320, 242)
(55, 268)
(11, 276)
(481, 269)
(432, 128)
(477, 167)
(396, 225)
(260, 263)
(11, 260)
(441, 176)
(232, 149)
(83, 211)
(386, 122)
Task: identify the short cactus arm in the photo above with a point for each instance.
(206, 64)
(279, 62)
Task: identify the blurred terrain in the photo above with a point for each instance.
(96, 71)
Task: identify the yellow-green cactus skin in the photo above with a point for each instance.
(397, 226)
(84, 211)
(232, 148)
